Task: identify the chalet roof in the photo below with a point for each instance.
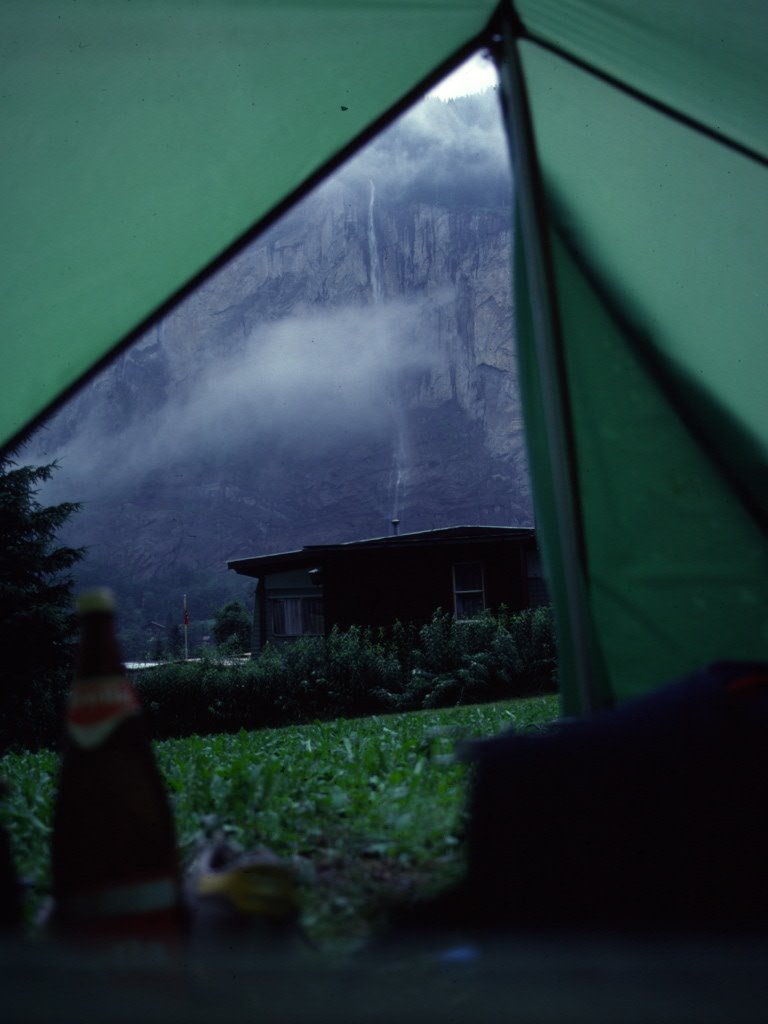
(310, 554)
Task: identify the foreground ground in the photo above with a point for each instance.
(368, 811)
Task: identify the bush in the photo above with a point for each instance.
(489, 658)
(232, 628)
(288, 678)
(349, 673)
(359, 668)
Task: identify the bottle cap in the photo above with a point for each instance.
(100, 599)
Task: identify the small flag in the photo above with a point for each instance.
(186, 612)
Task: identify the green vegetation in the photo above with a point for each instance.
(36, 622)
(356, 672)
(347, 674)
(232, 627)
(142, 602)
(368, 811)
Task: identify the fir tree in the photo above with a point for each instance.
(232, 627)
(36, 617)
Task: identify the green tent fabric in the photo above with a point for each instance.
(649, 242)
(142, 140)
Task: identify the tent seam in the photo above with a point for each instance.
(643, 97)
(549, 348)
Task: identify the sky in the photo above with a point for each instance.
(474, 75)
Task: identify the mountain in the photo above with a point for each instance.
(354, 364)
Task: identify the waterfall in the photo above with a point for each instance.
(373, 249)
(398, 469)
(400, 455)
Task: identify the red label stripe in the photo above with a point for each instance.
(97, 706)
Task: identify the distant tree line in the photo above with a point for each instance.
(230, 633)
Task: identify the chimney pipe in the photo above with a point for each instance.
(395, 527)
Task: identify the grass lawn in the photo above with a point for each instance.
(367, 810)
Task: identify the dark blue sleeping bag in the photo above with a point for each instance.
(651, 816)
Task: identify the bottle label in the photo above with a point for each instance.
(97, 706)
(129, 900)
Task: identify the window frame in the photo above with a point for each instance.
(457, 592)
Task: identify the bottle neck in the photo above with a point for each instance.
(99, 654)
(102, 697)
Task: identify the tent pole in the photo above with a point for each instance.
(548, 351)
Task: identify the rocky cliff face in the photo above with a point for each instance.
(356, 363)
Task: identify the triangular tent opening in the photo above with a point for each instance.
(143, 143)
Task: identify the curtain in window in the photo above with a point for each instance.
(286, 616)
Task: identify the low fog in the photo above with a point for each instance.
(302, 383)
(313, 373)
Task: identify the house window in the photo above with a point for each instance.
(468, 589)
(297, 616)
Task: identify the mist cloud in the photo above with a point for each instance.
(301, 383)
(316, 376)
(450, 149)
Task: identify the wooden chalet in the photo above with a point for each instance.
(463, 569)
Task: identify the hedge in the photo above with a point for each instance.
(349, 673)
(357, 672)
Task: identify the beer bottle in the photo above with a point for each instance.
(114, 863)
